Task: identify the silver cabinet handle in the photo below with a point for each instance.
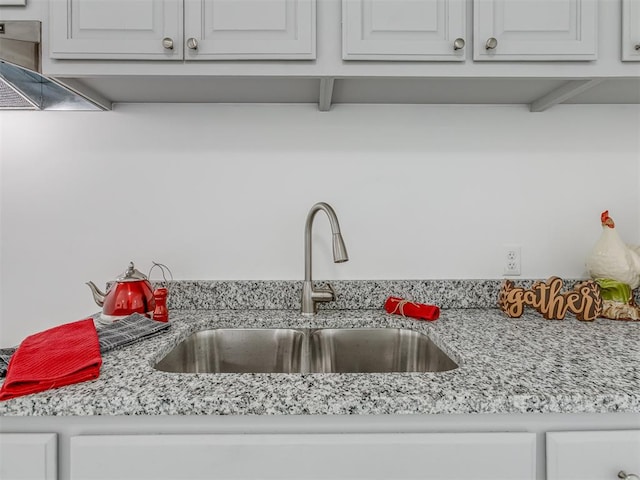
(192, 43)
(458, 44)
(167, 43)
(627, 476)
(491, 43)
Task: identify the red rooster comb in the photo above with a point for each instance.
(606, 219)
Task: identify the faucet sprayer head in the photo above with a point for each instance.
(340, 254)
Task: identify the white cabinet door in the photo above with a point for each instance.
(592, 455)
(404, 30)
(28, 456)
(535, 30)
(116, 29)
(250, 29)
(491, 456)
(631, 30)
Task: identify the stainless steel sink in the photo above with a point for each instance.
(237, 350)
(368, 350)
(302, 350)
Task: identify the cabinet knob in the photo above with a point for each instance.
(167, 43)
(458, 44)
(192, 43)
(491, 43)
(627, 476)
(637, 46)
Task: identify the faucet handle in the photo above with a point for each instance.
(333, 292)
(324, 294)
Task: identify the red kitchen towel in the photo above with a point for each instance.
(403, 307)
(54, 358)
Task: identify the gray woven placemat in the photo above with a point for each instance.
(5, 356)
(128, 330)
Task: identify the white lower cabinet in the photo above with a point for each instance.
(28, 456)
(508, 456)
(597, 455)
(631, 30)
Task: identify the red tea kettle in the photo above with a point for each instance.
(131, 293)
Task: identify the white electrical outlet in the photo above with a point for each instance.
(512, 260)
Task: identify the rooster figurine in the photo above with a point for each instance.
(616, 268)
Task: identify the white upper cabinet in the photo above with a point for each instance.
(427, 30)
(250, 29)
(153, 29)
(535, 30)
(593, 455)
(404, 30)
(116, 29)
(631, 30)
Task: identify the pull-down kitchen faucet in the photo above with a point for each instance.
(311, 296)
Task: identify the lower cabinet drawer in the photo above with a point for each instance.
(597, 455)
(508, 456)
(30, 456)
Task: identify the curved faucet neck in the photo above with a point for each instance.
(335, 229)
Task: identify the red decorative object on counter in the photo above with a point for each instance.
(160, 314)
(130, 293)
(400, 306)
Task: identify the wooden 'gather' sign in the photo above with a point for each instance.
(584, 300)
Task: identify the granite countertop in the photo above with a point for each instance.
(505, 366)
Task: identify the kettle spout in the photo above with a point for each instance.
(98, 296)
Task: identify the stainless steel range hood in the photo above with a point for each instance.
(22, 87)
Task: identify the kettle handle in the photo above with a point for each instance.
(162, 268)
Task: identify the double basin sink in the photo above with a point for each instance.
(306, 350)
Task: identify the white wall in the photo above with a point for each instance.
(222, 192)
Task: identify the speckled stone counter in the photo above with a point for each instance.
(505, 366)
